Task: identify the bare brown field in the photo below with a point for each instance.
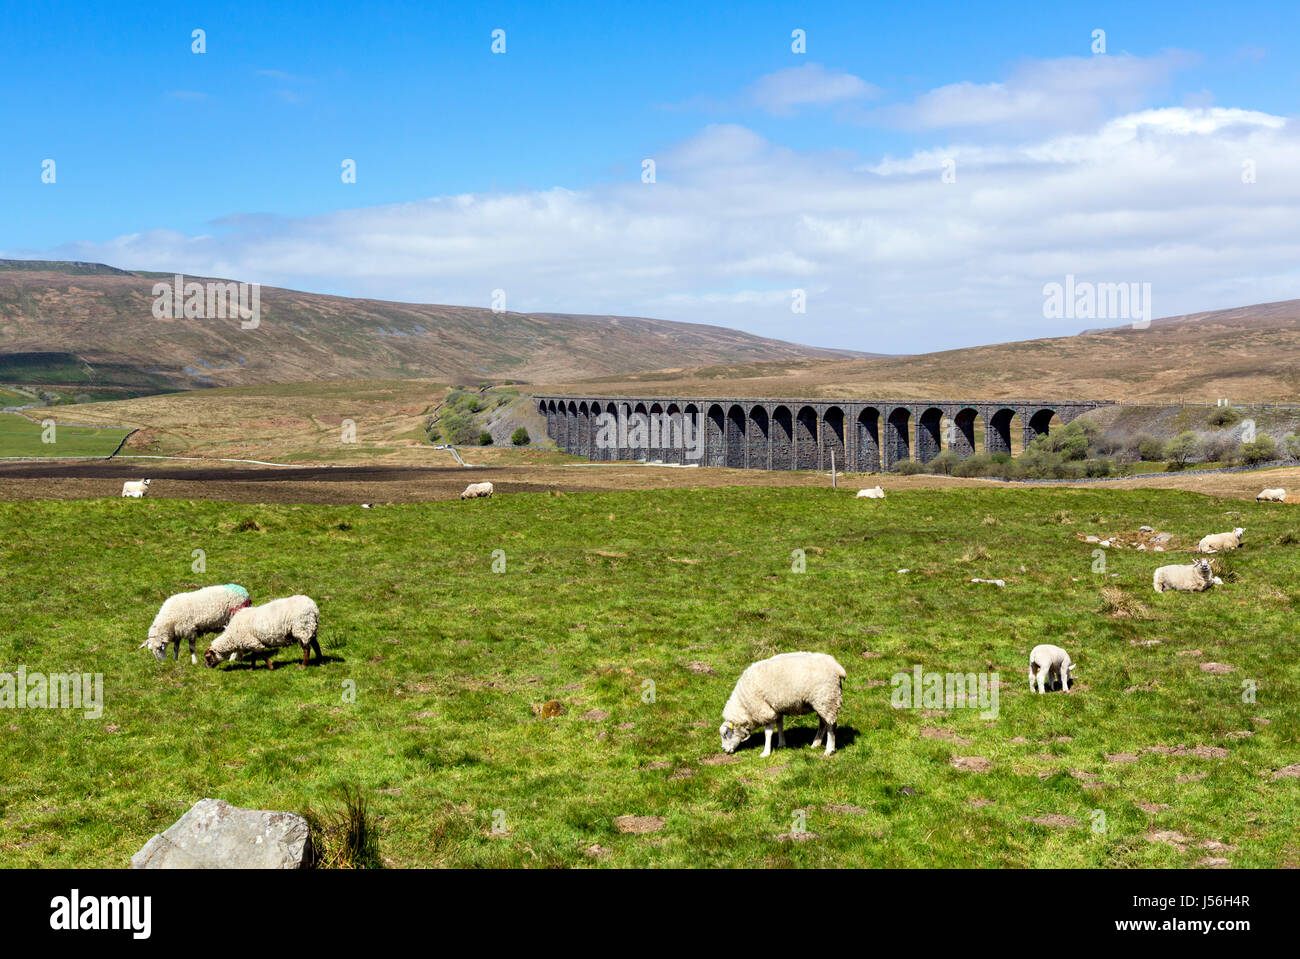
(379, 484)
(278, 423)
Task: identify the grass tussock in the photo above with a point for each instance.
(1118, 604)
(345, 837)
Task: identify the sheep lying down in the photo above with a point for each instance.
(1271, 496)
(258, 631)
(1187, 579)
(1220, 542)
(789, 684)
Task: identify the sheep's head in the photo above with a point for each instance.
(1239, 531)
(156, 645)
(732, 736)
(210, 657)
(1204, 569)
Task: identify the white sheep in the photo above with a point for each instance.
(788, 684)
(189, 615)
(475, 490)
(1220, 542)
(1271, 496)
(136, 489)
(876, 493)
(1193, 578)
(1047, 661)
(256, 632)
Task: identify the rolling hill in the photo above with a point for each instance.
(1248, 354)
(91, 325)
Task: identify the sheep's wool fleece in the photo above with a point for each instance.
(788, 684)
(201, 611)
(259, 629)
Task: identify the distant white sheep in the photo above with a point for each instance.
(788, 684)
(1187, 579)
(1220, 542)
(876, 493)
(136, 489)
(190, 615)
(1047, 662)
(1271, 496)
(258, 631)
(475, 490)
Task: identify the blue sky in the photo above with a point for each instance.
(776, 170)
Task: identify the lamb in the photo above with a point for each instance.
(258, 631)
(1271, 496)
(1220, 542)
(876, 493)
(1048, 662)
(189, 615)
(789, 684)
(1193, 578)
(136, 489)
(475, 490)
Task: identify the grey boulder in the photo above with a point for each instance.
(216, 835)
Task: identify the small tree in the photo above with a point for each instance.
(520, 437)
(1291, 442)
(1181, 448)
(1259, 450)
(485, 438)
(1222, 416)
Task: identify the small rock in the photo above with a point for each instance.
(216, 835)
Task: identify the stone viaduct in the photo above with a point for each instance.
(775, 434)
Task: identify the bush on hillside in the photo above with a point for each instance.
(1259, 450)
(520, 437)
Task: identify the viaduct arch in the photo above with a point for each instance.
(782, 434)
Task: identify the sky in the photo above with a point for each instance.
(914, 177)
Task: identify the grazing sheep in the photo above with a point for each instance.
(1271, 496)
(256, 632)
(1220, 542)
(1047, 662)
(189, 615)
(876, 493)
(1193, 578)
(475, 490)
(136, 489)
(789, 684)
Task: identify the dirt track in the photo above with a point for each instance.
(90, 479)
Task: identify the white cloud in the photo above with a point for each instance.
(784, 91)
(1069, 92)
(892, 258)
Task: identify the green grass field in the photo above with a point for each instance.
(604, 593)
(20, 436)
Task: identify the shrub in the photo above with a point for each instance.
(1291, 443)
(1222, 416)
(1181, 448)
(485, 438)
(1259, 450)
(1219, 447)
(520, 437)
(1147, 448)
(944, 463)
(908, 467)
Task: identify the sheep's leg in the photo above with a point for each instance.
(1031, 677)
(193, 659)
(303, 664)
(176, 648)
(1042, 681)
(269, 664)
(315, 646)
(780, 732)
(817, 740)
(830, 738)
(767, 739)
